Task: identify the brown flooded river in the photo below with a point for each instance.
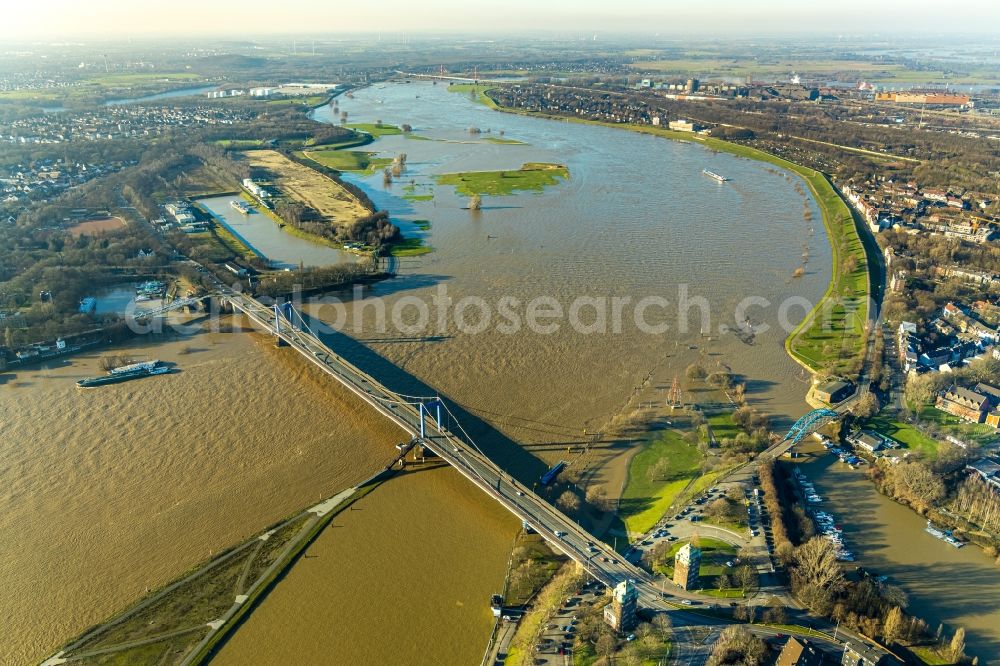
(106, 493)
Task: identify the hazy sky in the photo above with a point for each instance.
(114, 18)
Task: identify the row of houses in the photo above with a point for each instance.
(959, 335)
(976, 405)
(44, 180)
(114, 122)
(885, 204)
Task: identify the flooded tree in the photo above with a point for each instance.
(568, 501)
(475, 202)
(958, 645)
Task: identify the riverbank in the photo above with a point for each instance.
(842, 312)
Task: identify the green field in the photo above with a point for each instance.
(931, 655)
(348, 160)
(530, 177)
(376, 129)
(723, 426)
(475, 91)
(105, 85)
(645, 500)
(904, 434)
(307, 100)
(418, 192)
(410, 247)
(239, 144)
(952, 425)
(714, 555)
(133, 78)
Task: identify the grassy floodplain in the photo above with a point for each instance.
(532, 176)
(348, 160)
(647, 497)
(475, 91)
(410, 247)
(832, 333)
(173, 622)
(504, 141)
(376, 129)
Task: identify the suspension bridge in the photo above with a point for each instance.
(429, 421)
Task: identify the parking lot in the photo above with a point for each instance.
(556, 644)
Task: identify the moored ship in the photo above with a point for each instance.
(944, 535)
(241, 206)
(125, 373)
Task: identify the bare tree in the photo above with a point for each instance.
(775, 613)
(746, 576)
(660, 470)
(569, 501)
(867, 406)
(662, 625)
(958, 644)
(736, 645)
(695, 371)
(817, 575)
(892, 627)
(606, 644)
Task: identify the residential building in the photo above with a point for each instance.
(799, 652)
(963, 403)
(871, 441)
(859, 654)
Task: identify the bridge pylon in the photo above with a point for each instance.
(424, 409)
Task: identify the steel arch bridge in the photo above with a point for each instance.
(809, 423)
